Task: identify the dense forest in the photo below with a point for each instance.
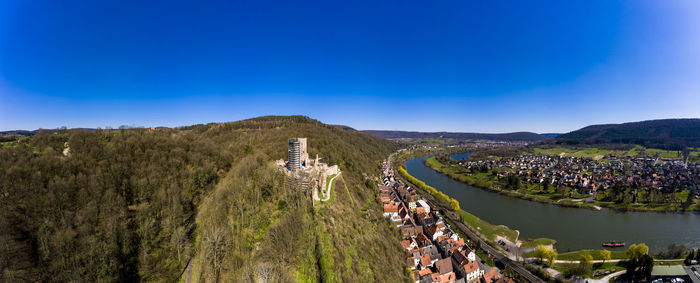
(672, 134)
(116, 205)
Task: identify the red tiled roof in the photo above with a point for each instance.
(423, 240)
(471, 267)
(491, 276)
(460, 258)
(390, 208)
(425, 272)
(447, 278)
(425, 261)
(454, 249)
(444, 265)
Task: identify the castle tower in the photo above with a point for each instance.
(295, 154)
(302, 152)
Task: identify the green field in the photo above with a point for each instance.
(595, 153)
(432, 162)
(598, 269)
(9, 144)
(595, 253)
(432, 141)
(328, 181)
(489, 230)
(598, 153)
(575, 255)
(537, 242)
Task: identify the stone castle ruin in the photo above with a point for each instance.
(302, 172)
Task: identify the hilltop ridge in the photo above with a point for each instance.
(116, 205)
(510, 137)
(674, 134)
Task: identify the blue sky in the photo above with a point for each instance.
(479, 66)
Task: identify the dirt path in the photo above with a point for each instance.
(188, 266)
(607, 278)
(601, 261)
(328, 189)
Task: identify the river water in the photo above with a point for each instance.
(573, 228)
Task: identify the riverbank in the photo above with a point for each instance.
(486, 181)
(488, 230)
(472, 227)
(574, 229)
(534, 192)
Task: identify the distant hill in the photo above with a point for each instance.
(672, 134)
(18, 133)
(550, 135)
(517, 136)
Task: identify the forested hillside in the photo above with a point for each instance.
(673, 134)
(115, 205)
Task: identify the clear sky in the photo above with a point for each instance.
(478, 66)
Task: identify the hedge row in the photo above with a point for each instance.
(441, 197)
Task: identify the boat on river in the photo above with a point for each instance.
(614, 244)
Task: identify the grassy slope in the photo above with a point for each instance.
(595, 253)
(539, 241)
(343, 239)
(489, 230)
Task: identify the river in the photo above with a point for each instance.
(572, 228)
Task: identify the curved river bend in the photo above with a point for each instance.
(573, 228)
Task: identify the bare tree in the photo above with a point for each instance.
(266, 272)
(178, 241)
(215, 245)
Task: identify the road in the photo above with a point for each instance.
(389, 160)
(601, 261)
(475, 238)
(188, 267)
(607, 278)
(693, 277)
(328, 189)
(489, 249)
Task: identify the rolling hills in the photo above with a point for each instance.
(510, 137)
(673, 134)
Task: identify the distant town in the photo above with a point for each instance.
(589, 176)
